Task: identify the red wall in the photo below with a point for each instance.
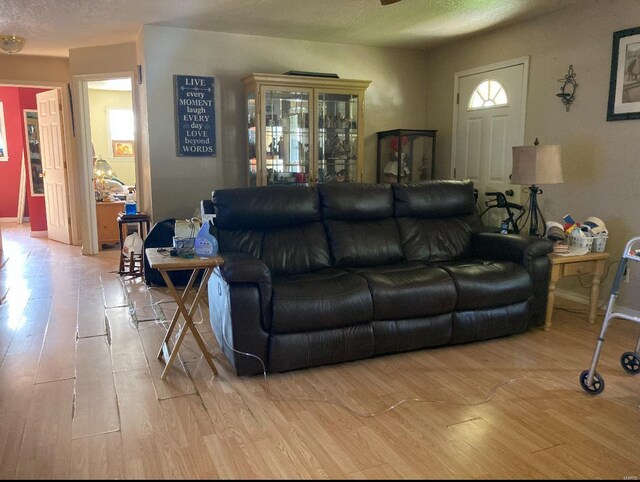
(15, 100)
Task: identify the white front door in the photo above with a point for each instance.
(54, 165)
(490, 121)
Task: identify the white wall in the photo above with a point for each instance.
(395, 99)
(601, 160)
(100, 101)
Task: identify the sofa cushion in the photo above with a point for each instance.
(265, 207)
(409, 290)
(359, 223)
(365, 243)
(434, 199)
(294, 250)
(355, 201)
(484, 324)
(289, 351)
(442, 239)
(279, 225)
(486, 284)
(325, 299)
(391, 336)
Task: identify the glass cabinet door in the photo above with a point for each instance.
(251, 138)
(337, 137)
(304, 129)
(287, 136)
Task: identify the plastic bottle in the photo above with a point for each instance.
(130, 204)
(205, 244)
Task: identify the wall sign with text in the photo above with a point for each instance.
(195, 116)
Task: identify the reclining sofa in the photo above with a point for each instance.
(340, 272)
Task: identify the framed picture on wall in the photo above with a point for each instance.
(122, 148)
(4, 155)
(624, 87)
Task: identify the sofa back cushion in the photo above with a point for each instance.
(278, 224)
(359, 222)
(436, 219)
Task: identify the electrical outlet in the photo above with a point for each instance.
(625, 276)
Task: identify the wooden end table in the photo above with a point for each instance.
(160, 259)
(563, 266)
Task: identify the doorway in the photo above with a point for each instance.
(37, 116)
(108, 153)
(488, 121)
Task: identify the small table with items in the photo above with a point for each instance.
(160, 259)
(133, 265)
(562, 266)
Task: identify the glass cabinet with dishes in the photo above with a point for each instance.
(406, 155)
(304, 129)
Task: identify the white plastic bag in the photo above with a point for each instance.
(132, 244)
(220, 309)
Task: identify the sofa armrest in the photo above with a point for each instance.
(510, 247)
(242, 268)
(246, 331)
(531, 252)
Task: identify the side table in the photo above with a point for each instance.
(160, 259)
(135, 265)
(562, 266)
(106, 214)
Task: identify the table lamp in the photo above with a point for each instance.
(534, 165)
(101, 171)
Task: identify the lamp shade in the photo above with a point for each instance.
(536, 165)
(102, 169)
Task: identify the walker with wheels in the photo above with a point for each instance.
(590, 380)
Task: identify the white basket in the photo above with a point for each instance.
(581, 242)
(599, 243)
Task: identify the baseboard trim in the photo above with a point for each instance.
(583, 299)
(8, 220)
(570, 295)
(39, 234)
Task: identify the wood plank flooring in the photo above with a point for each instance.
(81, 395)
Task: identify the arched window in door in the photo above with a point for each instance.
(488, 94)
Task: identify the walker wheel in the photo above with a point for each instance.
(630, 361)
(598, 383)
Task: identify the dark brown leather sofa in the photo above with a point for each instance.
(340, 272)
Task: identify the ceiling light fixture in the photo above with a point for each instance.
(11, 44)
(388, 2)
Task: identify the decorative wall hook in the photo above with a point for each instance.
(568, 89)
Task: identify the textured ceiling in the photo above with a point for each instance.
(52, 27)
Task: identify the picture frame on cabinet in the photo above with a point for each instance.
(624, 86)
(4, 154)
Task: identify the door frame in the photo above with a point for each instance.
(478, 70)
(75, 212)
(87, 197)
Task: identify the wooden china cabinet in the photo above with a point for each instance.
(304, 129)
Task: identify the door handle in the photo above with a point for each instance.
(42, 174)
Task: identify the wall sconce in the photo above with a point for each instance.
(568, 89)
(11, 44)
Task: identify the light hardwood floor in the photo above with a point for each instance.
(81, 395)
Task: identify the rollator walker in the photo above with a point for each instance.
(590, 380)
